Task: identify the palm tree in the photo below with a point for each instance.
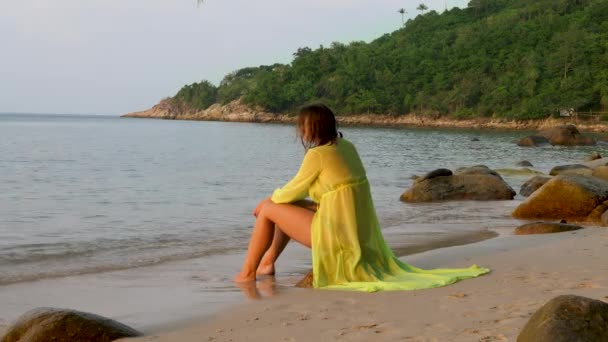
(422, 8)
(402, 11)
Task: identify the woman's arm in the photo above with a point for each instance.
(297, 188)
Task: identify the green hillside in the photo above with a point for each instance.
(519, 59)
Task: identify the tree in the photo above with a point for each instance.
(403, 12)
(422, 8)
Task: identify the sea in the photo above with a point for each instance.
(121, 215)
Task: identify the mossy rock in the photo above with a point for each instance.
(568, 318)
(63, 325)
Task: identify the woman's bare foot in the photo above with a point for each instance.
(244, 277)
(267, 270)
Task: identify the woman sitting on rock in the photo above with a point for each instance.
(348, 249)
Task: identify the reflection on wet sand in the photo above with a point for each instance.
(254, 290)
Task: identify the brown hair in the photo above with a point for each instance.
(320, 123)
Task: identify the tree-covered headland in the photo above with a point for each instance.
(512, 59)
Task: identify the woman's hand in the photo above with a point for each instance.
(258, 208)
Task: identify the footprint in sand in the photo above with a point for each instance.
(586, 286)
(457, 295)
(493, 338)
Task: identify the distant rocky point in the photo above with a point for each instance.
(236, 111)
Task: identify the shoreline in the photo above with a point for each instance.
(493, 307)
(174, 294)
(236, 112)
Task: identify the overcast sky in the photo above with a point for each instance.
(118, 56)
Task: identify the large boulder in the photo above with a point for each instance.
(570, 197)
(476, 183)
(532, 141)
(573, 169)
(567, 135)
(567, 318)
(62, 325)
(545, 228)
(600, 172)
(532, 185)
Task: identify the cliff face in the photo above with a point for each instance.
(234, 111)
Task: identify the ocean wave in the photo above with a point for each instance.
(30, 262)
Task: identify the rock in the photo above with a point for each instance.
(476, 170)
(524, 163)
(524, 171)
(596, 163)
(596, 214)
(305, 282)
(545, 228)
(574, 169)
(62, 325)
(532, 185)
(478, 187)
(600, 172)
(604, 218)
(594, 156)
(567, 318)
(435, 173)
(475, 139)
(570, 197)
(567, 135)
(533, 140)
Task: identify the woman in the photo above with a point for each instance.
(348, 250)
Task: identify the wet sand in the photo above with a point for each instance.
(170, 295)
(527, 271)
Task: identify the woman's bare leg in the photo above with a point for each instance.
(294, 221)
(279, 242)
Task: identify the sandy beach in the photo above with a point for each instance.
(527, 271)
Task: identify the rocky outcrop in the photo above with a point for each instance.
(532, 185)
(570, 197)
(61, 325)
(234, 111)
(573, 169)
(545, 228)
(477, 183)
(567, 318)
(566, 135)
(533, 140)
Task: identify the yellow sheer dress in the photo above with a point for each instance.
(348, 249)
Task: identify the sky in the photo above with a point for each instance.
(117, 56)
